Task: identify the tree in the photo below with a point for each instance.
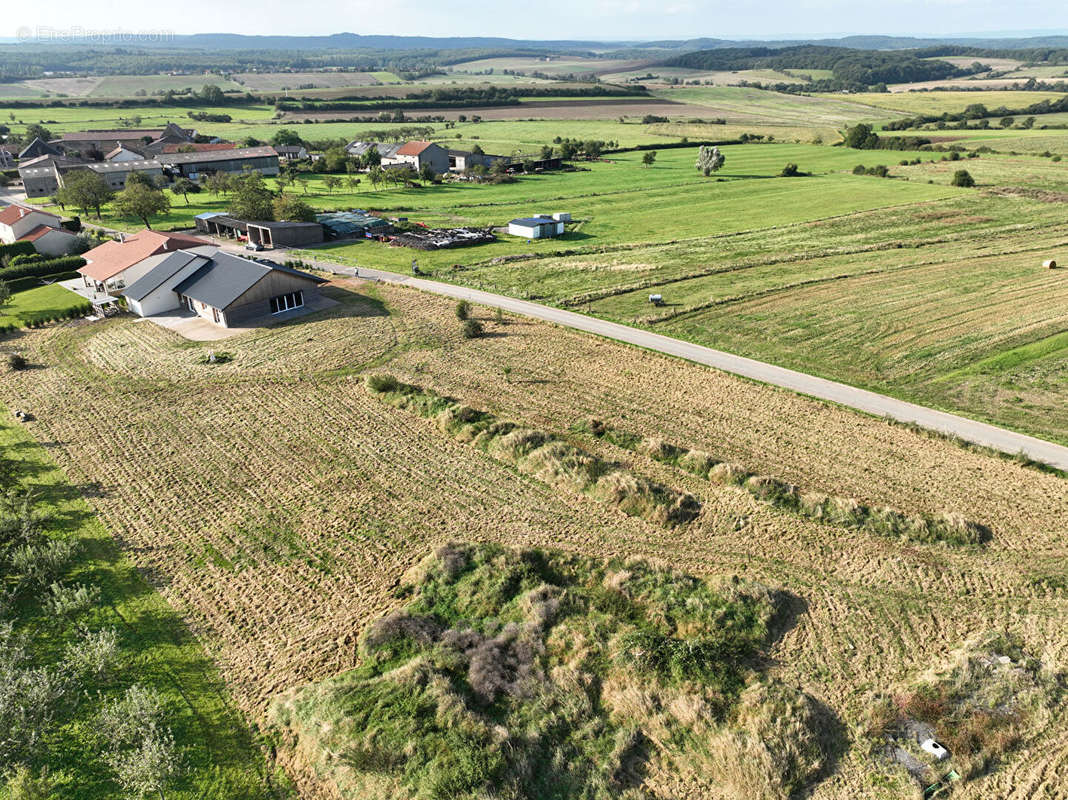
(709, 159)
(790, 171)
(86, 190)
(140, 749)
(250, 141)
(140, 177)
(1006, 122)
(331, 182)
(649, 158)
(184, 186)
(963, 178)
(472, 329)
(5, 294)
(477, 150)
(141, 201)
(335, 159)
(251, 199)
(374, 175)
(371, 157)
(286, 136)
(218, 183)
(592, 148)
(289, 208)
(352, 182)
(427, 174)
(861, 137)
(546, 152)
(463, 310)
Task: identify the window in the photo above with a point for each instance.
(287, 302)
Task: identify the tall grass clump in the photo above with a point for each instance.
(544, 455)
(528, 674)
(841, 511)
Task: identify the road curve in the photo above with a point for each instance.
(860, 399)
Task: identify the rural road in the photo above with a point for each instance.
(869, 402)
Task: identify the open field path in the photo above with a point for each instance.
(979, 433)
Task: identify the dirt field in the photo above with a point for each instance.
(537, 109)
(276, 81)
(274, 501)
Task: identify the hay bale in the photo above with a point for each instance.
(1049, 264)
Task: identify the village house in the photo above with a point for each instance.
(19, 223)
(291, 152)
(227, 290)
(114, 265)
(418, 155)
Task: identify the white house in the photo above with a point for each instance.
(418, 155)
(20, 223)
(539, 227)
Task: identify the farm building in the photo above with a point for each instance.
(461, 160)
(7, 158)
(385, 149)
(115, 265)
(194, 166)
(121, 153)
(20, 223)
(215, 223)
(418, 155)
(539, 227)
(291, 152)
(43, 176)
(352, 225)
(225, 289)
(145, 141)
(284, 234)
(37, 148)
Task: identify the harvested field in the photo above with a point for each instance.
(277, 81)
(579, 109)
(287, 500)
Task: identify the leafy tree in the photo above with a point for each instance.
(141, 201)
(1006, 122)
(463, 310)
(331, 182)
(286, 136)
(371, 157)
(546, 152)
(141, 178)
(592, 148)
(861, 137)
(649, 158)
(218, 183)
(290, 208)
(477, 150)
(352, 182)
(963, 178)
(251, 199)
(212, 95)
(375, 176)
(184, 186)
(251, 141)
(709, 159)
(86, 190)
(36, 131)
(427, 174)
(335, 159)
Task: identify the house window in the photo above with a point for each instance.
(286, 302)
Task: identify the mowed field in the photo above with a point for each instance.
(286, 500)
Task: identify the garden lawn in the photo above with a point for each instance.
(44, 302)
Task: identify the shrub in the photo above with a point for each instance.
(16, 362)
(879, 171)
(860, 169)
(790, 171)
(963, 178)
(463, 310)
(472, 329)
(382, 383)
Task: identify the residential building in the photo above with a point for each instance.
(419, 154)
(539, 227)
(263, 160)
(228, 290)
(385, 150)
(19, 223)
(114, 265)
(291, 152)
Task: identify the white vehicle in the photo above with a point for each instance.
(935, 749)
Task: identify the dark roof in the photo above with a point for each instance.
(532, 222)
(167, 266)
(38, 147)
(227, 221)
(226, 277)
(218, 155)
(283, 224)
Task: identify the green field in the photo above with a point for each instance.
(219, 755)
(41, 303)
(938, 102)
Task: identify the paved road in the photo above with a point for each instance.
(879, 405)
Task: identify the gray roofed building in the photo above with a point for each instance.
(386, 150)
(238, 160)
(226, 289)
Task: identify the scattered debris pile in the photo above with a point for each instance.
(441, 238)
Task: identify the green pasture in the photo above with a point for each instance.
(904, 103)
(746, 105)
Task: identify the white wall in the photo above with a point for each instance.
(519, 230)
(164, 298)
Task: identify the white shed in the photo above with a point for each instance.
(539, 227)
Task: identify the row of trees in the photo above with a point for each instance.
(142, 198)
(43, 689)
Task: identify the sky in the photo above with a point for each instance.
(544, 19)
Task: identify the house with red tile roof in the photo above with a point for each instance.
(115, 265)
(419, 154)
(19, 223)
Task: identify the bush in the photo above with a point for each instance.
(16, 361)
(860, 169)
(48, 267)
(463, 310)
(963, 178)
(472, 329)
(879, 171)
(789, 171)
